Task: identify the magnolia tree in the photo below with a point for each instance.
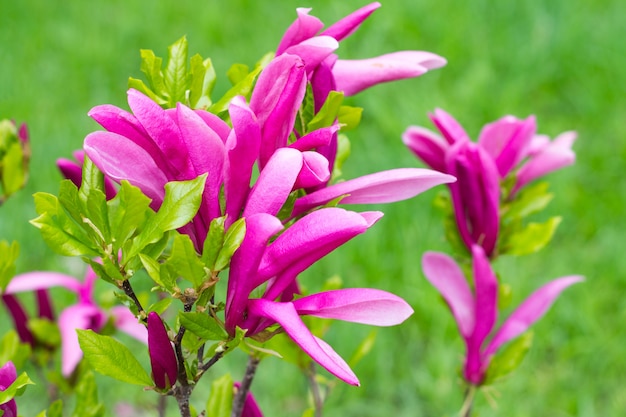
(218, 205)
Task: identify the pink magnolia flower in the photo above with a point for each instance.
(8, 375)
(73, 171)
(162, 357)
(506, 147)
(85, 314)
(476, 312)
(20, 317)
(276, 265)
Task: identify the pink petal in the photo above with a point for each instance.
(531, 310)
(451, 130)
(8, 374)
(276, 99)
(315, 170)
(381, 187)
(122, 159)
(346, 26)
(314, 50)
(316, 138)
(275, 183)
(357, 305)
(555, 155)
(81, 316)
(215, 123)
(126, 322)
(303, 28)
(285, 314)
(353, 76)
(32, 281)
(427, 146)
(245, 264)
(446, 276)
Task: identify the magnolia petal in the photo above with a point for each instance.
(36, 280)
(276, 99)
(286, 315)
(161, 128)
(162, 357)
(555, 155)
(304, 243)
(381, 187)
(8, 375)
(216, 124)
(275, 183)
(316, 138)
(126, 322)
(250, 406)
(427, 146)
(242, 147)
(507, 141)
(314, 50)
(73, 171)
(314, 170)
(531, 310)
(304, 27)
(119, 121)
(451, 130)
(357, 305)
(353, 76)
(121, 159)
(19, 317)
(486, 289)
(446, 276)
(244, 265)
(81, 316)
(346, 26)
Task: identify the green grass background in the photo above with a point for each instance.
(562, 60)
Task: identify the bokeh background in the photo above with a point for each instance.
(562, 60)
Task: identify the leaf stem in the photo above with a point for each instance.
(318, 401)
(128, 290)
(466, 410)
(246, 382)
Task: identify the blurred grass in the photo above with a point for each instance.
(561, 60)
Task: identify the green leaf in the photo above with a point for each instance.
(180, 205)
(176, 79)
(530, 200)
(242, 88)
(349, 117)
(111, 358)
(160, 306)
(12, 169)
(328, 113)
(202, 325)
(237, 73)
(343, 152)
(15, 388)
(202, 82)
(213, 242)
(153, 268)
(220, 400)
(94, 201)
(184, 262)
(59, 240)
(11, 349)
(55, 409)
(45, 332)
(127, 213)
(151, 67)
(363, 349)
(87, 404)
(8, 256)
(508, 359)
(532, 238)
(142, 87)
(306, 112)
(234, 236)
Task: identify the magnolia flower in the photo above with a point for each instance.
(476, 313)
(20, 317)
(73, 171)
(162, 356)
(8, 375)
(85, 314)
(506, 147)
(276, 265)
(250, 406)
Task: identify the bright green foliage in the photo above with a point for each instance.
(221, 398)
(111, 358)
(14, 155)
(509, 358)
(87, 403)
(531, 238)
(16, 388)
(11, 349)
(8, 255)
(202, 325)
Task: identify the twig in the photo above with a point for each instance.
(318, 401)
(246, 382)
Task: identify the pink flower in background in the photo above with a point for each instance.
(476, 312)
(8, 375)
(20, 317)
(85, 314)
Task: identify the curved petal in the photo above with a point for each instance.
(304, 27)
(8, 374)
(346, 26)
(81, 316)
(427, 146)
(275, 183)
(357, 305)
(381, 187)
(316, 138)
(314, 50)
(244, 265)
(314, 170)
(122, 159)
(126, 322)
(353, 76)
(285, 314)
(216, 124)
(447, 277)
(531, 310)
(36, 280)
(507, 141)
(451, 130)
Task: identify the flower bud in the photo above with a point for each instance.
(162, 356)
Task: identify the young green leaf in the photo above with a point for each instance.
(328, 113)
(202, 82)
(349, 117)
(221, 397)
(507, 360)
(111, 358)
(15, 388)
(184, 262)
(202, 325)
(127, 213)
(532, 238)
(176, 79)
(234, 236)
(87, 404)
(213, 242)
(8, 256)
